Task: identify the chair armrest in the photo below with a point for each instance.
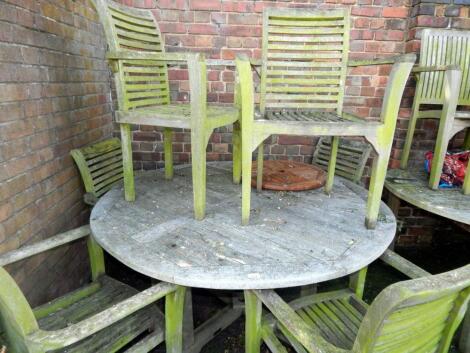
(419, 69)
(403, 265)
(307, 335)
(383, 61)
(136, 55)
(50, 340)
(44, 245)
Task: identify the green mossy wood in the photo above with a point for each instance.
(304, 63)
(351, 157)
(101, 317)
(100, 167)
(443, 84)
(418, 315)
(139, 62)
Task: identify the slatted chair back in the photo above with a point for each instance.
(419, 315)
(443, 47)
(140, 83)
(100, 167)
(351, 158)
(304, 59)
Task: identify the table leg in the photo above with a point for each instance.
(253, 310)
(174, 308)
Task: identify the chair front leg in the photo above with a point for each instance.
(377, 180)
(198, 155)
(174, 309)
(246, 178)
(332, 164)
(259, 167)
(237, 149)
(168, 151)
(253, 311)
(128, 168)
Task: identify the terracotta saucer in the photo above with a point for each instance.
(286, 175)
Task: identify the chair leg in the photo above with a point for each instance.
(466, 142)
(128, 168)
(405, 155)
(259, 167)
(377, 180)
(174, 308)
(466, 182)
(198, 155)
(253, 311)
(237, 148)
(168, 151)
(246, 181)
(332, 164)
(438, 159)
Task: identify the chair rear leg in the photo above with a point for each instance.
(332, 164)
(127, 164)
(174, 309)
(466, 184)
(377, 180)
(259, 167)
(405, 155)
(237, 149)
(168, 151)
(246, 180)
(198, 162)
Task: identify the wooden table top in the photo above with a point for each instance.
(293, 239)
(412, 187)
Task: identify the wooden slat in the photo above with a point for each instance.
(303, 105)
(146, 102)
(138, 44)
(301, 47)
(295, 22)
(302, 97)
(305, 39)
(91, 161)
(304, 56)
(303, 31)
(309, 73)
(143, 86)
(116, 159)
(146, 94)
(130, 27)
(300, 81)
(155, 38)
(284, 89)
(133, 20)
(303, 64)
(109, 167)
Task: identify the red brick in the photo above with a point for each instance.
(213, 5)
(397, 12)
(295, 140)
(202, 28)
(240, 31)
(243, 19)
(366, 11)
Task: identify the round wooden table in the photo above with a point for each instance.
(294, 238)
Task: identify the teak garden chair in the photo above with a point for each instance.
(351, 157)
(418, 315)
(304, 62)
(100, 167)
(101, 317)
(445, 87)
(139, 62)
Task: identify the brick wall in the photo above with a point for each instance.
(221, 29)
(54, 96)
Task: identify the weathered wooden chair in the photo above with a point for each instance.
(100, 167)
(304, 63)
(351, 157)
(104, 316)
(139, 62)
(419, 315)
(447, 88)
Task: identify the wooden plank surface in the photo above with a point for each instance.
(412, 187)
(293, 238)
